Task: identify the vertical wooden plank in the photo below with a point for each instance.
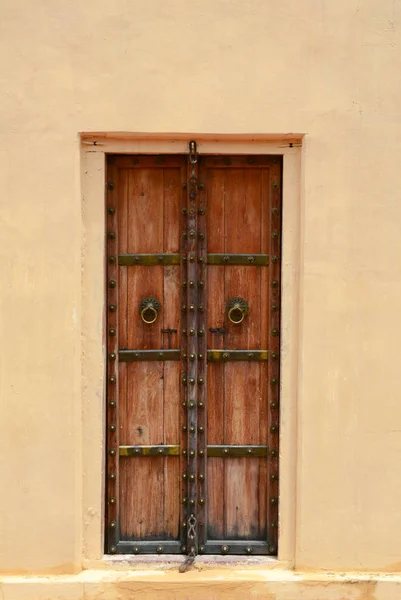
(215, 186)
(122, 219)
(172, 191)
(242, 380)
(143, 519)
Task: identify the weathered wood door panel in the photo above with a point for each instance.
(193, 377)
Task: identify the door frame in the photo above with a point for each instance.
(94, 148)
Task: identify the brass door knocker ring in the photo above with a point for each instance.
(237, 309)
(149, 309)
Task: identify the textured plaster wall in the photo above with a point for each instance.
(326, 68)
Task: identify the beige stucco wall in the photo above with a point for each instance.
(328, 69)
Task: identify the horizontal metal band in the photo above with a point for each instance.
(238, 547)
(227, 355)
(160, 450)
(161, 547)
(148, 260)
(236, 451)
(137, 355)
(238, 259)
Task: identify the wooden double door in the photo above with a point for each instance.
(193, 325)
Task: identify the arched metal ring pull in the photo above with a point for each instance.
(149, 309)
(237, 309)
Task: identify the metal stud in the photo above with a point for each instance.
(201, 381)
(201, 259)
(273, 453)
(184, 307)
(184, 500)
(161, 354)
(184, 284)
(191, 258)
(201, 549)
(225, 451)
(113, 524)
(200, 356)
(112, 379)
(192, 453)
(201, 308)
(192, 234)
(201, 283)
(201, 235)
(192, 332)
(112, 404)
(275, 235)
(112, 260)
(111, 235)
(274, 258)
(112, 356)
(112, 331)
(191, 284)
(201, 476)
(201, 186)
(184, 452)
(275, 331)
(112, 308)
(274, 283)
(136, 549)
(192, 357)
(183, 549)
(201, 211)
(275, 210)
(201, 404)
(273, 428)
(192, 429)
(113, 428)
(273, 500)
(274, 306)
(192, 477)
(275, 185)
(201, 452)
(272, 549)
(184, 211)
(201, 501)
(191, 405)
(273, 404)
(201, 332)
(273, 524)
(112, 452)
(249, 549)
(274, 356)
(113, 549)
(159, 549)
(192, 380)
(112, 283)
(112, 476)
(192, 308)
(184, 475)
(111, 210)
(273, 476)
(224, 549)
(112, 500)
(201, 429)
(160, 451)
(184, 428)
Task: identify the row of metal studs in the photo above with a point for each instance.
(274, 346)
(112, 365)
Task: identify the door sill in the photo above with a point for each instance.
(128, 562)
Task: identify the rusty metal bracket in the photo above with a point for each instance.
(237, 451)
(228, 355)
(136, 355)
(160, 450)
(148, 260)
(261, 260)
